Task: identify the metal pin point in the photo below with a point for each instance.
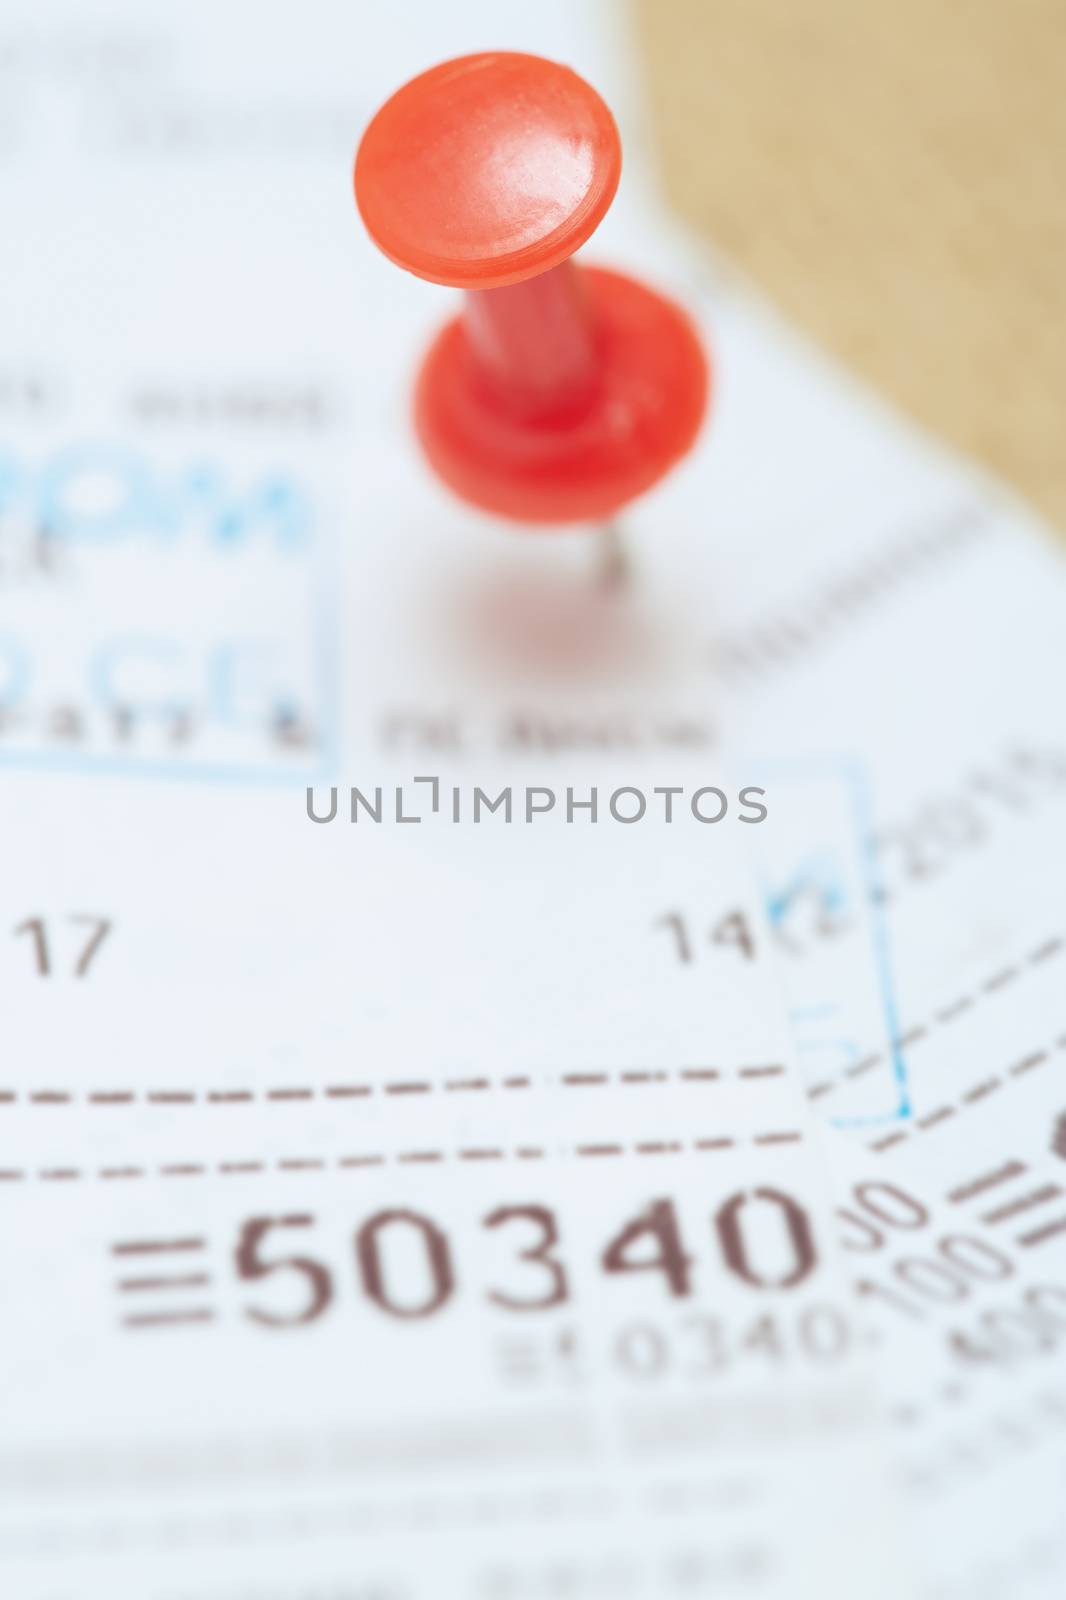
(614, 570)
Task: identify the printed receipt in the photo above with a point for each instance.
(484, 1241)
(501, 1207)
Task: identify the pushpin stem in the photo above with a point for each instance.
(534, 343)
(613, 562)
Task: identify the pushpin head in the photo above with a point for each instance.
(561, 394)
(487, 170)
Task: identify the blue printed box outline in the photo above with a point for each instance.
(852, 774)
(327, 636)
(327, 653)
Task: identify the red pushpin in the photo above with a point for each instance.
(561, 393)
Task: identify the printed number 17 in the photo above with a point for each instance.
(37, 931)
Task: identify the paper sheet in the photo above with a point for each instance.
(320, 1140)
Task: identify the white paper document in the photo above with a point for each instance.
(514, 1086)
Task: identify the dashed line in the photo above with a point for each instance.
(889, 1140)
(1027, 1063)
(982, 1090)
(1000, 980)
(1039, 1235)
(992, 985)
(986, 1180)
(234, 1168)
(977, 1092)
(397, 1088)
(912, 1036)
(1026, 1202)
(956, 1009)
(940, 1115)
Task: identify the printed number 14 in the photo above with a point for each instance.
(733, 930)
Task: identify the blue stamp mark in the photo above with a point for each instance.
(823, 903)
(166, 616)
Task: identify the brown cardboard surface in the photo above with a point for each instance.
(893, 174)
